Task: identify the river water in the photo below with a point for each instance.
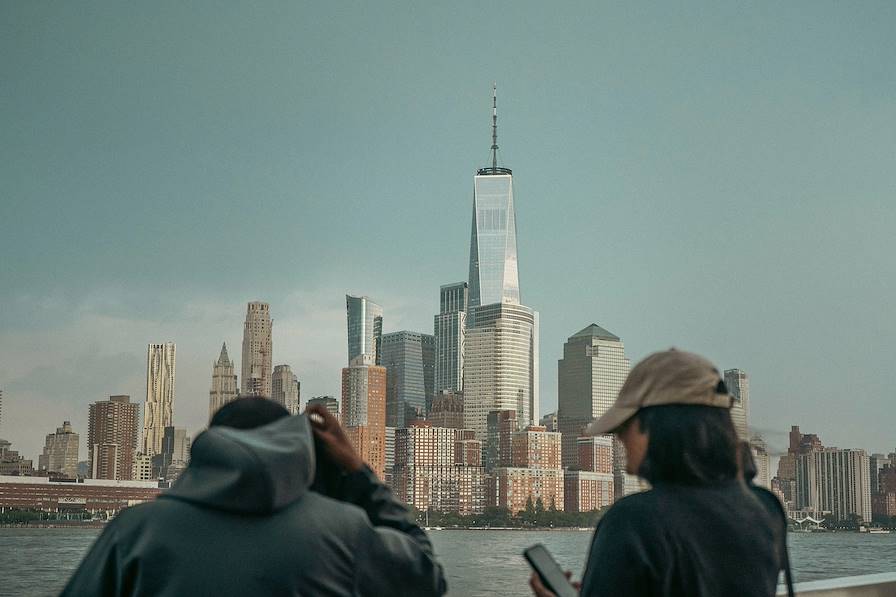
(38, 561)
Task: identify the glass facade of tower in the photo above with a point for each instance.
(365, 328)
(449, 327)
(494, 277)
(408, 359)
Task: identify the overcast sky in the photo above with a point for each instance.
(719, 178)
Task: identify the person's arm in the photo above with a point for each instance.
(397, 558)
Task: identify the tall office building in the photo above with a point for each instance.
(285, 388)
(157, 410)
(500, 369)
(759, 450)
(407, 357)
(60, 452)
(739, 386)
(112, 438)
(258, 351)
(365, 327)
(224, 385)
(364, 411)
(449, 328)
(836, 481)
(589, 377)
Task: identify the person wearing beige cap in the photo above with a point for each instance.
(701, 530)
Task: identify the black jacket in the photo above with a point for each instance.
(241, 520)
(696, 541)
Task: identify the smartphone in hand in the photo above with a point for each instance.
(549, 571)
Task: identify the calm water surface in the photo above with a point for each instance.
(38, 561)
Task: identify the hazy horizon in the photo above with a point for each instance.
(718, 178)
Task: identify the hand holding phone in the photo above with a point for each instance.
(550, 573)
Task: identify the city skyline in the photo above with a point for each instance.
(714, 209)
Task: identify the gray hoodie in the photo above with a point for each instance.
(241, 520)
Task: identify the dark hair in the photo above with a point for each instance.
(248, 413)
(688, 444)
(745, 461)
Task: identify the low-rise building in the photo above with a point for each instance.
(90, 495)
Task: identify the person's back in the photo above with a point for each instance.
(242, 520)
(687, 540)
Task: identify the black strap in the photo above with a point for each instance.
(788, 575)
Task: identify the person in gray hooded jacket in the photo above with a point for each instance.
(243, 520)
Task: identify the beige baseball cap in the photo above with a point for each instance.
(669, 377)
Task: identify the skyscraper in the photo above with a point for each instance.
(739, 386)
(364, 411)
(365, 327)
(500, 367)
(589, 377)
(328, 402)
(449, 328)
(175, 454)
(112, 438)
(157, 410)
(224, 384)
(407, 357)
(836, 481)
(60, 452)
(285, 388)
(257, 351)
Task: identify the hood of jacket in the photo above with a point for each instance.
(249, 471)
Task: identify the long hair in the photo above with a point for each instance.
(688, 444)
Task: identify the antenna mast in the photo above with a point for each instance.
(495, 126)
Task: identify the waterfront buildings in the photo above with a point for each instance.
(285, 388)
(447, 409)
(364, 410)
(501, 343)
(449, 328)
(739, 387)
(586, 491)
(595, 454)
(68, 495)
(439, 468)
(535, 474)
(589, 377)
(157, 410)
(365, 328)
(224, 384)
(501, 425)
(175, 455)
(834, 480)
(112, 438)
(328, 402)
(408, 359)
(60, 452)
(258, 351)
(11, 463)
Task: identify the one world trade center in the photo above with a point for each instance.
(501, 347)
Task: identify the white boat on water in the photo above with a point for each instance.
(879, 531)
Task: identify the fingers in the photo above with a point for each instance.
(321, 418)
(538, 588)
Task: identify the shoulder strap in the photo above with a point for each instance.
(771, 498)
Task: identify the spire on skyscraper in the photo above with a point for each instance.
(493, 169)
(223, 358)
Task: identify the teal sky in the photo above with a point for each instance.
(719, 177)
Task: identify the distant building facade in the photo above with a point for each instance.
(586, 491)
(439, 468)
(589, 377)
(258, 349)
(408, 359)
(175, 455)
(12, 463)
(61, 452)
(364, 411)
(328, 402)
(285, 388)
(365, 328)
(739, 386)
(85, 495)
(836, 481)
(157, 410)
(447, 409)
(112, 438)
(449, 328)
(224, 383)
